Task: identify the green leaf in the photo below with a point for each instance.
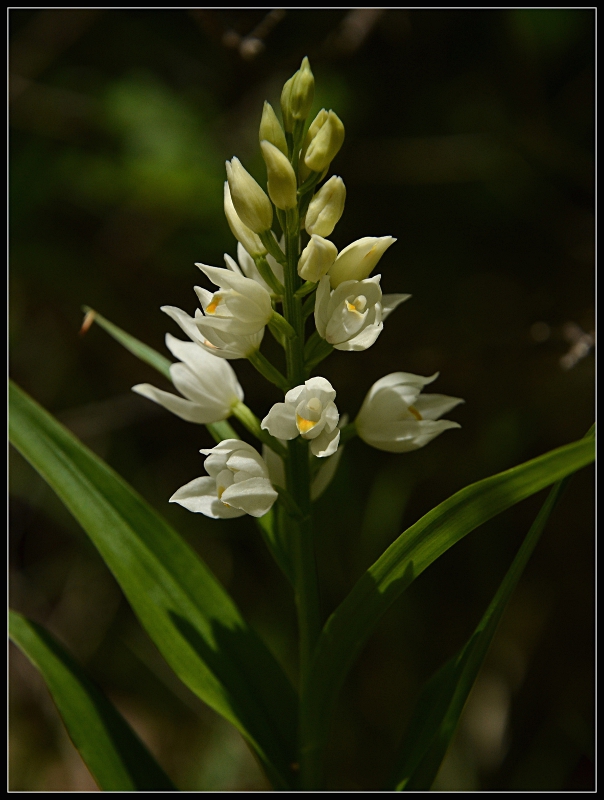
(115, 756)
(274, 530)
(187, 613)
(353, 621)
(218, 430)
(442, 700)
(140, 350)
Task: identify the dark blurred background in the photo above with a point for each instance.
(470, 138)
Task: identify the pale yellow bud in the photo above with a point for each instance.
(271, 130)
(357, 261)
(326, 207)
(325, 144)
(241, 232)
(252, 205)
(314, 127)
(316, 259)
(282, 186)
(297, 96)
(288, 119)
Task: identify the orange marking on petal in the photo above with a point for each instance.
(415, 413)
(304, 425)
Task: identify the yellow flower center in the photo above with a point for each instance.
(304, 425)
(211, 307)
(358, 304)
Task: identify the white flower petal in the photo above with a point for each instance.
(185, 409)
(200, 497)
(363, 340)
(254, 496)
(391, 301)
(433, 406)
(326, 444)
(281, 422)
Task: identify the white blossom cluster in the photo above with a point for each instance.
(349, 314)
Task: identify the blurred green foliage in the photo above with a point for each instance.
(469, 137)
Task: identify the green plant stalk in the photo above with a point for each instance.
(247, 418)
(267, 370)
(298, 483)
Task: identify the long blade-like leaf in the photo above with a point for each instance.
(115, 756)
(442, 700)
(187, 613)
(218, 430)
(407, 557)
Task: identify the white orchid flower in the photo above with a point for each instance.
(247, 267)
(308, 411)
(241, 307)
(324, 475)
(396, 417)
(237, 483)
(221, 344)
(209, 385)
(351, 316)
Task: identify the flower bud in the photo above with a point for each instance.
(314, 127)
(326, 207)
(271, 130)
(297, 96)
(359, 259)
(325, 145)
(241, 232)
(316, 259)
(282, 186)
(252, 205)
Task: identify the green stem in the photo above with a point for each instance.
(305, 289)
(249, 420)
(269, 276)
(267, 370)
(306, 587)
(268, 240)
(221, 430)
(292, 310)
(282, 325)
(300, 526)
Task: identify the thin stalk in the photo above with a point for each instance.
(249, 420)
(298, 484)
(292, 310)
(306, 587)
